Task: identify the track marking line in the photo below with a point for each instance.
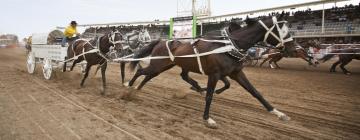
(55, 118)
(31, 119)
(85, 109)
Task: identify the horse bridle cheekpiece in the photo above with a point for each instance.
(112, 38)
(113, 42)
(282, 32)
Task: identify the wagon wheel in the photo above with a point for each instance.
(31, 62)
(47, 68)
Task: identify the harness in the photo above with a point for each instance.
(282, 32)
(96, 49)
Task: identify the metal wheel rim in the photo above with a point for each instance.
(30, 63)
(47, 69)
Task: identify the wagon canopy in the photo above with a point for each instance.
(52, 38)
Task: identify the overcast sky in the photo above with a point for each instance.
(24, 17)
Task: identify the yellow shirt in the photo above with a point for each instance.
(70, 31)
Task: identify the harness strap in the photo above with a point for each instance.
(169, 51)
(198, 60)
(84, 54)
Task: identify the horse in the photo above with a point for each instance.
(81, 49)
(275, 55)
(219, 65)
(135, 40)
(345, 57)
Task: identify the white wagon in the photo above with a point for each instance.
(46, 49)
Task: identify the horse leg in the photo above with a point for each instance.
(88, 67)
(265, 61)
(152, 74)
(226, 85)
(212, 80)
(195, 86)
(138, 73)
(64, 67)
(74, 63)
(103, 77)
(122, 70)
(277, 60)
(333, 67)
(270, 63)
(342, 66)
(244, 82)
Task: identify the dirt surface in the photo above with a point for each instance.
(321, 105)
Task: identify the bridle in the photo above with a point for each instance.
(282, 32)
(269, 31)
(113, 43)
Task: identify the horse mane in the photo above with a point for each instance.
(233, 26)
(250, 21)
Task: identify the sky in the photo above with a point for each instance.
(24, 17)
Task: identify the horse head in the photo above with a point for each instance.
(111, 44)
(271, 30)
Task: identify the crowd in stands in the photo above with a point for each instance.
(346, 19)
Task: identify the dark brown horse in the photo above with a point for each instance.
(218, 65)
(274, 55)
(345, 57)
(81, 50)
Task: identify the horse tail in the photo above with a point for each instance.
(329, 56)
(143, 52)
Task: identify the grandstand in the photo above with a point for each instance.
(8, 40)
(339, 24)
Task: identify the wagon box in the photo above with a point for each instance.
(46, 49)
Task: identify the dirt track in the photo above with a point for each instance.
(321, 105)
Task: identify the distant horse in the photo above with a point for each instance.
(219, 65)
(345, 57)
(274, 55)
(107, 44)
(135, 40)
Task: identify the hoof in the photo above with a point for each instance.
(126, 84)
(284, 118)
(280, 115)
(211, 123)
(348, 73)
(137, 87)
(103, 91)
(202, 91)
(271, 66)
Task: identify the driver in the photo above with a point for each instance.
(69, 33)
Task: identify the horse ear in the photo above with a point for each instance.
(281, 17)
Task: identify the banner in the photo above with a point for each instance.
(182, 27)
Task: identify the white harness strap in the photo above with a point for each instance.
(198, 61)
(279, 38)
(84, 53)
(169, 51)
(112, 38)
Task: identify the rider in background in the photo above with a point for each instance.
(69, 33)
